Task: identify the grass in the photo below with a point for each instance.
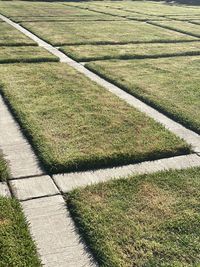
(9, 36)
(75, 124)
(149, 220)
(110, 11)
(128, 51)
(16, 246)
(180, 26)
(25, 54)
(169, 84)
(61, 33)
(196, 21)
(156, 8)
(30, 9)
(65, 18)
(4, 173)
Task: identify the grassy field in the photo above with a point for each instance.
(164, 83)
(75, 124)
(128, 51)
(3, 169)
(181, 26)
(60, 33)
(39, 9)
(149, 220)
(9, 36)
(11, 54)
(110, 11)
(155, 8)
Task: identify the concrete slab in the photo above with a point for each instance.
(69, 181)
(58, 243)
(33, 187)
(4, 190)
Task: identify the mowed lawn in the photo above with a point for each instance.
(128, 51)
(75, 124)
(149, 220)
(103, 32)
(9, 36)
(41, 11)
(169, 84)
(155, 8)
(16, 246)
(14, 54)
(111, 11)
(181, 26)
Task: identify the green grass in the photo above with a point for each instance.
(75, 124)
(16, 246)
(9, 36)
(29, 9)
(149, 220)
(110, 11)
(180, 26)
(60, 33)
(4, 173)
(169, 84)
(65, 18)
(10, 54)
(128, 51)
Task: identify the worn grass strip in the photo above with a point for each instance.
(61, 33)
(16, 245)
(130, 51)
(148, 220)
(75, 124)
(169, 84)
(26, 54)
(11, 37)
(179, 26)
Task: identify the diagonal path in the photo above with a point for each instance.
(50, 223)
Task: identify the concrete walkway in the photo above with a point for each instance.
(53, 229)
(50, 223)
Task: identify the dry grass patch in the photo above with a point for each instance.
(148, 220)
